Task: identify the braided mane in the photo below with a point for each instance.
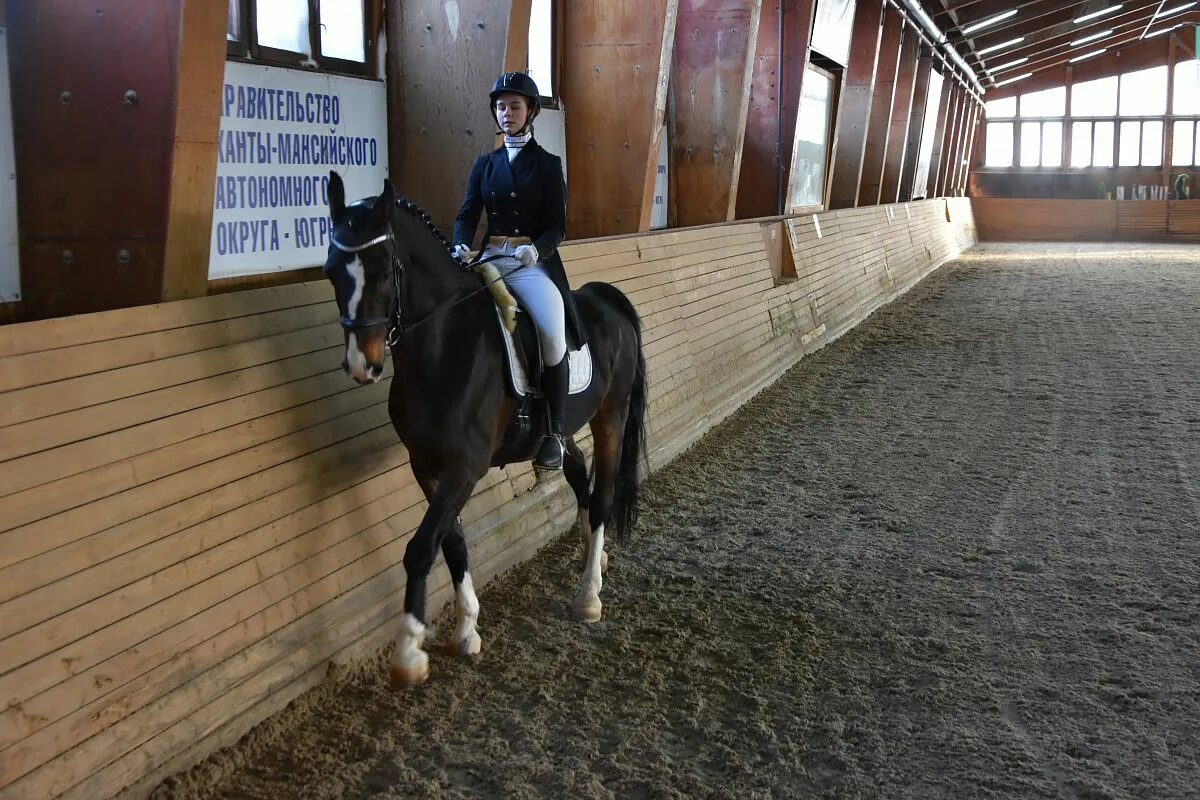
(421, 215)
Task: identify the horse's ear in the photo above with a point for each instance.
(385, 203)
(337, 198)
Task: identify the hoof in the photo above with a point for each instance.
(470, 646)
(588, 611)
(407, 677)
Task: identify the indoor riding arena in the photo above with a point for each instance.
(894, 422)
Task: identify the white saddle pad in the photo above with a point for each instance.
(580, 362)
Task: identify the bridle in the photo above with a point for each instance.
(351, 324)
(394, 317)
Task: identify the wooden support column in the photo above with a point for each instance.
(1168, 137)
(775, 86)
(916, 125)
(855, 105)
(199, 80)
(710, 89)
(879, 126)
(960, 182)
(939, 135)
(95, 164)
(902, 105)
(616, 67)
(940, 166)
(953, 154)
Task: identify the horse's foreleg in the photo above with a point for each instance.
(410, 664)
(466, 606)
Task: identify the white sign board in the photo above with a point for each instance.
(10, 272)
(282, 131)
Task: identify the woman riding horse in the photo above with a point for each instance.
(521, 186)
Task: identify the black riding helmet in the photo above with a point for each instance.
(516, 83)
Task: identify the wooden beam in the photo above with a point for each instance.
(657, 126)
(939, 135)
(916, 126)
(773, 104)
(902, 105)
(879, 127)
(855, 105)
(199, 78)
(743, 110)
(971, 140)
(516, 42)
(711, 69)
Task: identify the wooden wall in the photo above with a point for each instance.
(1005, 219)
(199, 512)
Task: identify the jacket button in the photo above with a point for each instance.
(516, 230)
(512, 194)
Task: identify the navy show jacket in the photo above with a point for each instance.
(527, 197)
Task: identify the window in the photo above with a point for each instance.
(1144, 93)
(933, 102)
(1092, 143)
(1095, 98)
(1046, 103)
(998, 145)
(1184, 145)
(1187, 87)
(1141, 143)
(811, 152)
(322, 34)
(1001, 108)
(540, 66)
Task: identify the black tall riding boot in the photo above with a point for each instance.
(554, 385)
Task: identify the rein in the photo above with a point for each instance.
(395, 320)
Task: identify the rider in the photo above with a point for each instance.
(522, 187)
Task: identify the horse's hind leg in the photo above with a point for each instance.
(466, 640)
(606, 438)
(576, 473)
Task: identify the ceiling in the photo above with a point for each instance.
(1032, 36)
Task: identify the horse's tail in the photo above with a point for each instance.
(633, 445)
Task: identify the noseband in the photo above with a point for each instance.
(351, 324)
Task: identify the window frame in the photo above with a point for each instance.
(248, 49)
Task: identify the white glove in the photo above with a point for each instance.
(462, 253)
(527, 254)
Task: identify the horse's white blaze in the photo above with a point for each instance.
(587, 602)
(356, 362)
(466, 604)
(408, 652)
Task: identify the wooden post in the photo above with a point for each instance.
(902, 105)
(879, 127)
(916, 126)
(199, 78)
(939, 134)
(1168, 137)
(855, 105)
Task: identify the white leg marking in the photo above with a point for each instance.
(409, 663)
(466, 605)
(356, 362)
(587, 602)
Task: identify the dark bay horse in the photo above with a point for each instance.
(397, 286)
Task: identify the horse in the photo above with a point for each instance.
(398, 287)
